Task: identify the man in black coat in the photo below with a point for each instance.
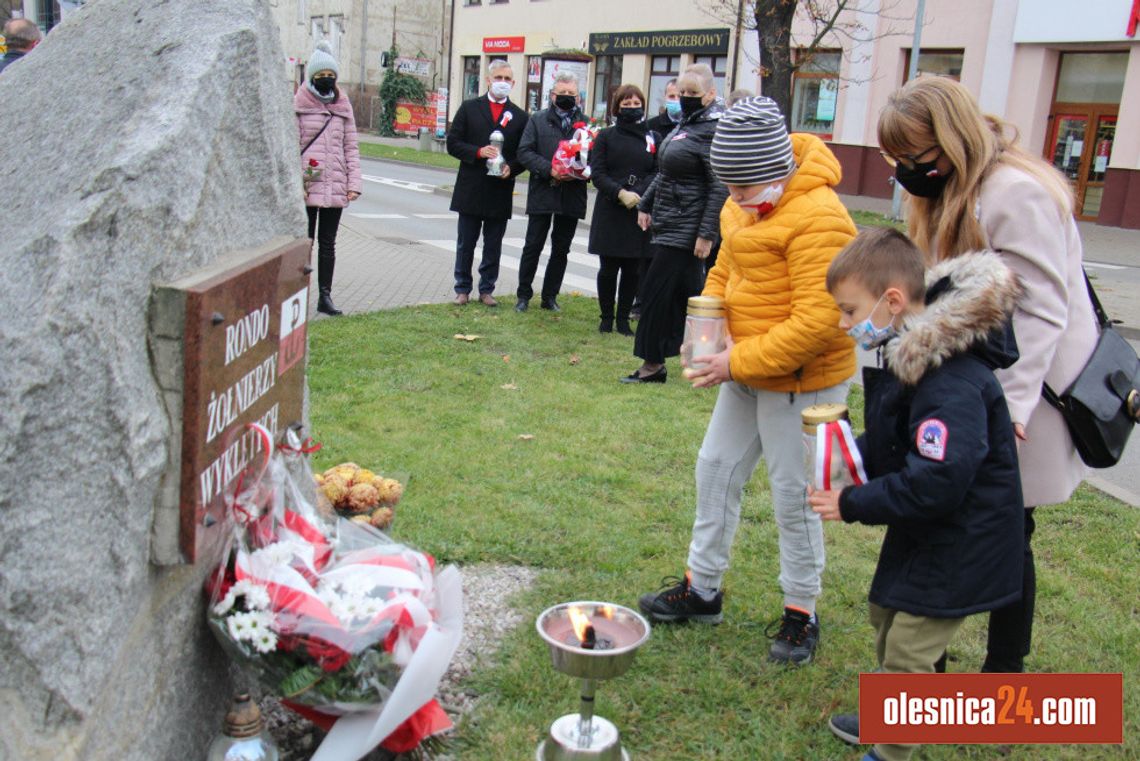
(553, 198)
(484, 201)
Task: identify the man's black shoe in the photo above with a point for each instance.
(797, 638)
(521, 305)
(677, 602)
(845, 726)
(551, 305)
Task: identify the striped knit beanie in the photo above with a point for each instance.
(751, 145)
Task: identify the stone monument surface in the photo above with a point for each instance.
(144, 140)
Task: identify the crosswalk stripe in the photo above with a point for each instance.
(584, 284)
(418, 187)
(435, 216)
(362, 215)
(584, 259)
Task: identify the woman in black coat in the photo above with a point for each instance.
(682, 208)
(623, 162)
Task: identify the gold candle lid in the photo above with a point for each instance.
(706, 306)
(244, 717)
(822, 413)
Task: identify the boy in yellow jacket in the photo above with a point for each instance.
(781, 227)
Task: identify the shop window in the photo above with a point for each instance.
(533, 83)
(719, 65)
(472, 2)
(936, 63)
(1091, 77)
(607, 79)
(662, 69)
(815, 88)
(470, 76)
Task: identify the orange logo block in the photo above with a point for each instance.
(991, 708)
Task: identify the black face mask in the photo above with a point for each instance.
(924, 180)
(691, 104)
(566, 102)
(325, 85)
(630, 115)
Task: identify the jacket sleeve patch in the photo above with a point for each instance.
(931, 439)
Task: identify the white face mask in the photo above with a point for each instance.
(764, 201)
(500, 90)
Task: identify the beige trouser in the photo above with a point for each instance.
(908, 644)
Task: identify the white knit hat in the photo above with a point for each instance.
(751, 145)
(321, 60)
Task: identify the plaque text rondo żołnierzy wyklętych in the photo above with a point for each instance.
(243, 342)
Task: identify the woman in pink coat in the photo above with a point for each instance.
(331, 161)
(971, 187)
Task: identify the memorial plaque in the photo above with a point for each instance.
(243, 351)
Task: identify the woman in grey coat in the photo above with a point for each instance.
(971, 188)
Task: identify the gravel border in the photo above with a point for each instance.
(487, 618)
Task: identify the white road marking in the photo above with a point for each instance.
(583, 284)
(418, 187)
(1102, 266)
(377, 216)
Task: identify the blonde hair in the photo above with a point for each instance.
(936, 111)
(704, 74)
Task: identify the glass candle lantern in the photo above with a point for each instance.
(495, 165)
(243, 736)
(705, 330)
(831, 458)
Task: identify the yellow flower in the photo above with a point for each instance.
(335, 488)
(389, 489)
(362, 497)
(382, 517)
(363, 476)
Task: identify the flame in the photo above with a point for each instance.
(607, 612)
(579, 620)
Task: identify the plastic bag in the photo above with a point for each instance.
(331, 614)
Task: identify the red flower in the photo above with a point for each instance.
(579, 125)
(327, 655)
(218, 583)
(314, 163)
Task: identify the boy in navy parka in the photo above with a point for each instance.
(939, 448)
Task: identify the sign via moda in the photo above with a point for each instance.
(504, 44)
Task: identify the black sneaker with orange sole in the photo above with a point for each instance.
(797, 638)
(677, 602)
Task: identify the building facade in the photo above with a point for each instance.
(1065, 79)
(361, 33)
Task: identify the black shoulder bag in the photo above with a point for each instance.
(309, 144)
(1103, 404)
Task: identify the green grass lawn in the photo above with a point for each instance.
(410, 155)
(601, 500)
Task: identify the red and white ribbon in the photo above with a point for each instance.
(836, 431)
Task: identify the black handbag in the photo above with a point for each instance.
(1103, 404)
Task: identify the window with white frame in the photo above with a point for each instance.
(815, 89)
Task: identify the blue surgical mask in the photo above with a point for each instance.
(673, 108)
(867, 335)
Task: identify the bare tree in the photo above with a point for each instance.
(828, 20)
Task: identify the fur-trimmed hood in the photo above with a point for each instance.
(969, 301)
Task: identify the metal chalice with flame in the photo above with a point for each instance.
(591, 641)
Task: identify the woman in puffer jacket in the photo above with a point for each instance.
(331, 161)
(682, 207)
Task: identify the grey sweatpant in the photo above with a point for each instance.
(747, 423)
